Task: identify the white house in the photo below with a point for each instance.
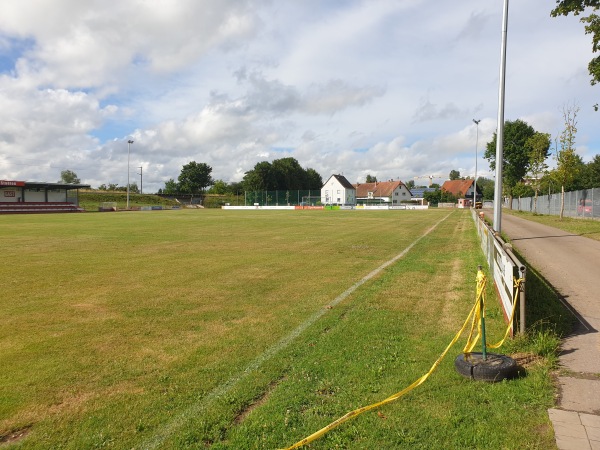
(337, 190)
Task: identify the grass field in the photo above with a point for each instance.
(236, 329)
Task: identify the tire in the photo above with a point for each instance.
(494, 368)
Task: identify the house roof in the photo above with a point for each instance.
(42, 185)
(418, 192)
(457, 187)
(379, 189)
(342, 180)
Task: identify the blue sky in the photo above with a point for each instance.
(381, 87)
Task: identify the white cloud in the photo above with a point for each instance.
(381, 87)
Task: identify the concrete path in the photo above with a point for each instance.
(571, 264)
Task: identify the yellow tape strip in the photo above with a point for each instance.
(475, 318)
(391, 398)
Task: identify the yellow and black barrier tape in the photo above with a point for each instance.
(475, 318)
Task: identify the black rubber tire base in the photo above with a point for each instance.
(494, 368)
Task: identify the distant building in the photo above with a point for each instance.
(390, 193)
(37, 197)
(337, 190)
(418, 194)
(462, 189)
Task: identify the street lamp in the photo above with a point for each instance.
(129, 142)
(475, 182)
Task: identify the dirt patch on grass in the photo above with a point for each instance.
(261, 400)
(14, 436)
(527, 360)
(452, 296)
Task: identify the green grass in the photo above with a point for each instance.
(589, 228)
(174, 329)
(91, 200)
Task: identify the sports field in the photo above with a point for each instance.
(248, 329)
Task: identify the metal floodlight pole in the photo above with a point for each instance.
(500, 131)
(141, 180)
(476, 144)
(129, 142)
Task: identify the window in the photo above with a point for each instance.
(369, 195)
(338, 191)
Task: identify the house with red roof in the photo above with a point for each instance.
(390, 193)
(462, 189)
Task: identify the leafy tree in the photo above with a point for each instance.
(171, 187)
(567, 161)
(522, 190)
(590, 176)
(194, 178)
(410, 184)
(433, 197)
(537, 146)
(592, 26)
(289, 174)
(370, 179)
(219, 187)
(314, 179)
(261, 178)
(454, 175)
(439, 196)
(486, 186)
(69, 177)
(133, 188)
(515, 153)
(282, 174)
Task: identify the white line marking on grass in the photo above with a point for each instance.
(171, 427)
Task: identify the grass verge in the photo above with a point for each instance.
(589, 228)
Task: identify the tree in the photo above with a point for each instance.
(315, 181)
(219, 187)
(281, 174)
(194, 178)
(515, 153)
(486, 186)
(261, 178)
(289, 174)
(410, 184)
(454, 175)
(591, 174)
(171, 187)
(522, 190)
(592, 21)
(69, 177)
(133, 188)
(567, 161)
(370, 179)
(537, 146)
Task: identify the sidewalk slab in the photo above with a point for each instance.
(580, 395)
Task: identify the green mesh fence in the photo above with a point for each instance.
(283, 198)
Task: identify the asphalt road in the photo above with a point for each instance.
(571, 264)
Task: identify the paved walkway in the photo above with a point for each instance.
(571, 264)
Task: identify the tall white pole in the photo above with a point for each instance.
(476, 144)
(129, 142)
(500, 132)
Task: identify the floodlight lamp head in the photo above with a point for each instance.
(476, 121)
(130, 141)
